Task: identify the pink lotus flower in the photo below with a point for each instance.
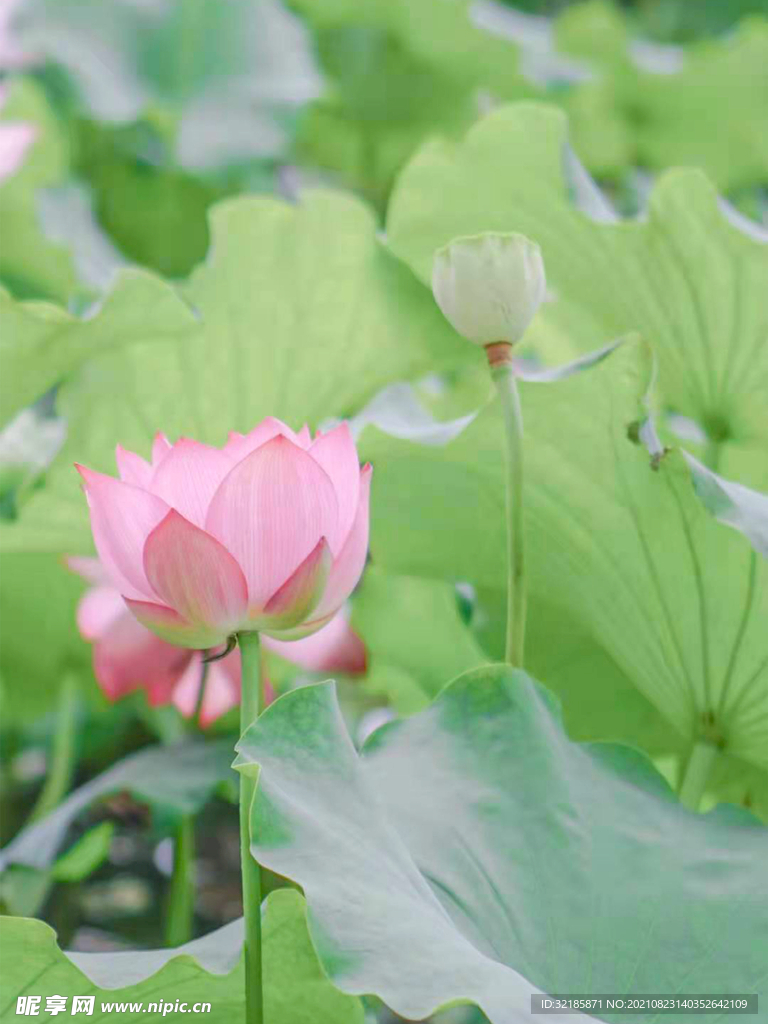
(268, 533)
(128, 657)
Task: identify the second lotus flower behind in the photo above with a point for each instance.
(127, 657)
(268, 533)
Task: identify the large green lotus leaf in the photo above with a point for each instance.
(711, 113)
(615, 709)
(297, 990)
(41, 646)
(42, 343)
(685, 277)
(317, 314)
(414, 636)
(574, 664)
(207, 970)
(175, 780)
(619, 547)
(30, 265)
(303, 314)
(474, 853)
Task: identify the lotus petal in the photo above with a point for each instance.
(270, 512)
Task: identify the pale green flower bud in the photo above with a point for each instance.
(489, 286)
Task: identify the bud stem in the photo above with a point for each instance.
(503, 374)
(250, 653)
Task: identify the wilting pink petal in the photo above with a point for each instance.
(188, 476)
(160, 448)
(195, 575)
(132, 468)
(187, 690)
(171, 627)
(349, 565)
(336, 453)
(334, 648)
(162, 686)
(222, 689)
(15, 140)
(122, 517)
(90, 569)
(127, 657)
(294, 601)
(270, 511)
(97, 610)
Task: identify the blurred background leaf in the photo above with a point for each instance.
(225, 78)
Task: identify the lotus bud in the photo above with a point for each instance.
(489, 286)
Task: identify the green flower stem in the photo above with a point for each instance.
(62, 762)
(181, 902)
(504, 377)
(696, 774)
(250, 655)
